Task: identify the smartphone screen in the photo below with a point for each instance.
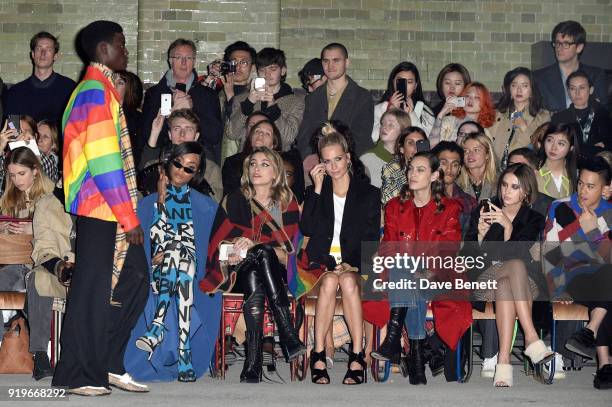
(260, 84)
(422, 145)
(181, 86)
(486, 205)
(14, 118)
(401, 84)
(166, 104)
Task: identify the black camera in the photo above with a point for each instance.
(228, 67)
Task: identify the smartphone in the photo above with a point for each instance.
(486, 205)
(460, 101)
(16, 123)
(401, 85)
(227, 249)
(166, 104)
(181, 86)
(422, 145)
(260, 84)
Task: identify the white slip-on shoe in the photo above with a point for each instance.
(125, 382)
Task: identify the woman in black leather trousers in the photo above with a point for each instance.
(260, 220)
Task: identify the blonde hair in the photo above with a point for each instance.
(490, 173)
(13, 201)
(280, 191)
(402, 118)
(54, 133)
(332, 138)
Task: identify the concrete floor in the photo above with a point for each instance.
(576, 391)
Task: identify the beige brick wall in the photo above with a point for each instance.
(212, 24)
(20, 20)
(489, 37)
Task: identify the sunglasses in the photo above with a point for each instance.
(177, 164)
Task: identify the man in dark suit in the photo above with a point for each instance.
(340, 99)
(568, 40)
(182, 82)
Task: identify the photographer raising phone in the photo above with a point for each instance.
(404, 92)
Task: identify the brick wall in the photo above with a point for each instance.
(20, 20)
(212, 24)
(489, 37)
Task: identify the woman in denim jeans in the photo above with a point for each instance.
(422, 213)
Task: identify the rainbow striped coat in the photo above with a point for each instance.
(94, 179)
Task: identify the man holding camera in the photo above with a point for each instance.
(271, 95)
(187, 92)
(340, 99)
(238, 60)
(44, 94)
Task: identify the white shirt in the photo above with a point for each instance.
(335, 249)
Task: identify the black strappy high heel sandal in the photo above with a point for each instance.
(318, 374)
(358, 376)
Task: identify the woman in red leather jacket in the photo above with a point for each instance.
(422, 213)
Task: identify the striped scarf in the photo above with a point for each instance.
(129, 170)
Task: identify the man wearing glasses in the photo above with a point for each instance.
(240, 56)
(568, 41)
(181, 82)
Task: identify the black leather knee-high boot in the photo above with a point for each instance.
(276, 291)
(253, 309)
(391, 348)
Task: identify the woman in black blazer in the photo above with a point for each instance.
(340, 211)
(509, 218)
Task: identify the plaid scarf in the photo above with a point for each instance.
(121, 243)
(50, 165)
(236, 217)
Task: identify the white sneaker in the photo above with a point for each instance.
(488, 367)
(559, 372)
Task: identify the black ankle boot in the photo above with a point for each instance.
(391, 348)
(434, 354)
(251, 372)
(290, 343)
(42, 366)
(416, 362)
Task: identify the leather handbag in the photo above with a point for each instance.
(14, 355)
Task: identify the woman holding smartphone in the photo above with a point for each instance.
(508, 217)
(404, 92)
(474, 103)
(25, 185)
(256, 226)
(17, 128)
(450, 83)
(340, 212)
